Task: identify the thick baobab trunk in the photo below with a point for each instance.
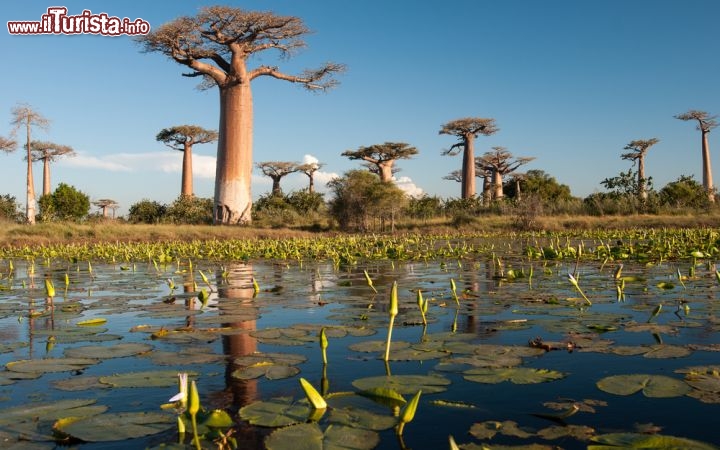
(311, 185)
(46, 176)
(186, 189)
(30, 198)
(707, 168)
(642, 191)
(497, 185)
(233, 201)
(386, 171)
(486, 192)
(518, 194)
(468, 168)
(276, 191)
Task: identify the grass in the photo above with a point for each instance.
(19, 235)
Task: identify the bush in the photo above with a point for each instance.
(146, 211)
(684, 192)
(65, 203)
(424, 208)
(10, 209)
(190, 210)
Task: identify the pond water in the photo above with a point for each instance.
(493, 386)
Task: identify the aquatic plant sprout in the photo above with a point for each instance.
(574, 282)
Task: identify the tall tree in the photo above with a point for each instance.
(639, 149)
(216, 44)
(381, 157)
(706, 123)
(105, 204)
(501, 162)
(48, 152)
(480, 172)
(466, 130)
(25, 116)
(276, 170)
(182, 138)
(309, 169)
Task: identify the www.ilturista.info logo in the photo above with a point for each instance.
(57, 21)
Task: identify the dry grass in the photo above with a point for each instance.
(53, 233)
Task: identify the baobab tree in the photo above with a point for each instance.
(276, 170)
(25, 116)
(309, 169)
(48, 152)
(639, 149)
(7, 145)
(182, 138)
(216, 45)
(480, 172)
(500, 162)
(381, 158)
(105, 204)
(466, 130)
(706, 123)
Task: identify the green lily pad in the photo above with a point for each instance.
(488, 429)
(108, 351)
(309, 436)
(278, 412)
(655, 386)
(384, 396)
(49, 411)
(150, 378)
(358, 418)
(404, 384)
(50, 365)
(289, 359)
(636, 440)
(579, 432)
(667, 351)
(516, 375)
(378, 346)
(117, 426)
(83, 383)
(268, 370)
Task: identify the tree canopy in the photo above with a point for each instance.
(382, 157)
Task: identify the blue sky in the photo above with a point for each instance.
(568, 82)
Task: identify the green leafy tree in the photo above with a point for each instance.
(425, 207)
(541, 184)
(146, 211)
(638, 150)
(684, 192)
(360, 198)
(65, 203)
(625, 184)
(9, 209)
(190, 210)
(218, 45)
(381, 157)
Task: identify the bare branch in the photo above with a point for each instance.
(7, 145)
(49, 151)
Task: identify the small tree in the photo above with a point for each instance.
(9, 209)
(146, 211)
(104, 204)
(48, 152)
(639, 149)
(182, 138)
(190, 210)
(65, 203)
(309, 169)
(276, 170)
(542, 185)
(501, 162)
(24, 116)
(381, 157)
(466, 130)
(706, 123)
(685, 192)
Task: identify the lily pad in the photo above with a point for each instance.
(268, 370)
(636, 440)
(516, 375)
(150, 378)
(359, 418)
(404, 384)
(277, 412)
(110, 351)
(50, 365)
(49, 411)
(488, 429)
(117, 426)
(655, 386)
(309, 436)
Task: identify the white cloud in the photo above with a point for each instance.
(92, 162)
(168, 162)
(407, 185)
(310, 159)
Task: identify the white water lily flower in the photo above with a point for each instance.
(181, 396)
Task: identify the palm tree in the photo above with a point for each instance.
(705, 124)
(25, 116)
(182, 138)
(639, 150)
(48, 152)
(217, 45)
(466, 130)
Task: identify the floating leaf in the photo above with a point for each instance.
(404, 384)
(117, 426)
(517, 375)
(268, 370)
(108, 351)
(277, 412)
(48, 365)
(359, 418)
(579, 432)
(655, 386)
(488, 429)
(150, 378)
(92, 322)
(636, 441)
(309, 436)
(49, 411)
(384, 396)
